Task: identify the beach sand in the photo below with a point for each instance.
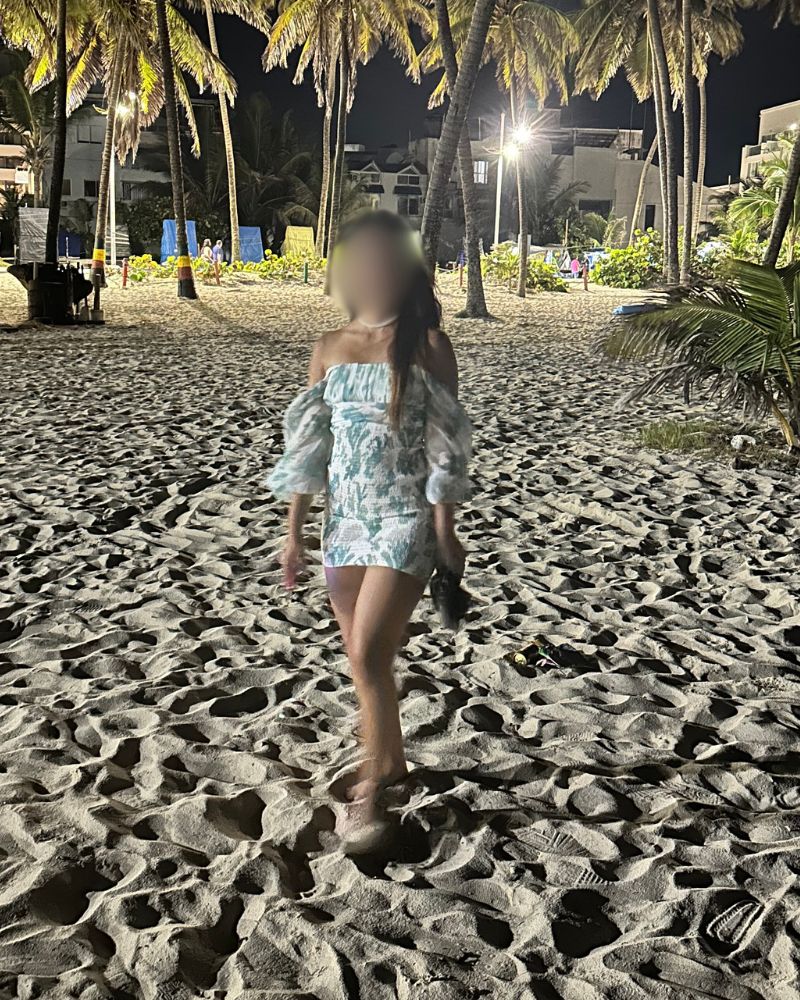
(625, 825)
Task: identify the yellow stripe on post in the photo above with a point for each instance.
(184, 261)
(99, 255)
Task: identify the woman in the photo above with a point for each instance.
(381, 431)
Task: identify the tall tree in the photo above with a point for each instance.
(476, 297)
(329, 33)
(688, 139)
(637, 207)
(446, 150)
(236, 250)
(186, 288)
(702, 147)
(30, 115)
(59, 133)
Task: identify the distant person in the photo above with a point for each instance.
(575, 267)
(381, 432)
(218, 254)
(206, 253)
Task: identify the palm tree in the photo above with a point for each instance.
(758, 206)
(59, 133)
(550, 202)
(30, 116)
(334, 36)
(740, 337)
(476, 298)
(186, 287)
(625, 34)
(447, 148)
(637, 208)
(528, 41)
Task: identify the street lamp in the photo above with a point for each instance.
(521, 136)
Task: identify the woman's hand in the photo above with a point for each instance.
(452, 554)
(293, 561)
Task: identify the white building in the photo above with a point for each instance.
(771, 123)
(13, 171)
(608, 162)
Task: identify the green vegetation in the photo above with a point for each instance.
(502, 264)
(637, 266)
(288, 267)
(737, 336)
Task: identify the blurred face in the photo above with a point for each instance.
(371, 273)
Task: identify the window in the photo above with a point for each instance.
(413, 180)
(649, 216)
(600, 207)
(369, 176)
(90, 189)
(67, 187)
(86, 133)
(9, 162)
(408, 205)
(128, 188)
(481, 171)
(375, 201)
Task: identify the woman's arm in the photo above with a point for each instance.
(443, 366)
(293, 559)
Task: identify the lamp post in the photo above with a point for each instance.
(499, 179)
(521, 138)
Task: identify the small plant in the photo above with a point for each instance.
(289, 267)
(637, 266)
(502, 266)
(739, 336)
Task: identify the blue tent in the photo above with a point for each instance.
(250, 242)
(169, 239)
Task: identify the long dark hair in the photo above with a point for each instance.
(419, 310)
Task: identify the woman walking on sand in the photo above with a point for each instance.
(381, 432)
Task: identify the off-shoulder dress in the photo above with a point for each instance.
(379, 482)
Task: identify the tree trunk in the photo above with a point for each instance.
(637, 208)
(671, 174)
(233, 200)
(522, 202)
(476, 297)
(324, 192)
(662, 168)
(341, 138)
(109, 143)
(783, 214)
(186, 289)
(702, 145)
(447, 148)
(59, 135)
(688, 139)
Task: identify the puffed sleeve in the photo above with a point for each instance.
(303, 467)
(448, 445)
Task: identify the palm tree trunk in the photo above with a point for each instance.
(783, 215)
(637, 208)
(702, 145)
(669, 166)
(109, 143)
(186, 289)
(233, 201)
(662, 167)
(59, 134)
(447, 148)
(324, 192)
(341, 138)
(476, 297)
(522, 202)
(688, 139)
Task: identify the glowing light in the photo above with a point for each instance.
(123, 110)
(511, 151)
(522, 135)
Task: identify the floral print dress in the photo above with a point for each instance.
(379, 482)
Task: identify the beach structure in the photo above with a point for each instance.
(772, 122)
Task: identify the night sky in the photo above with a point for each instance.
(388, 105)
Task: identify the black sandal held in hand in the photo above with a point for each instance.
(449, 597)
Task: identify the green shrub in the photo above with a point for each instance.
(289, 267)
(502, 265)
(637, 266)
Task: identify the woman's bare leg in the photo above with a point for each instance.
(344, 584)
(385, 603)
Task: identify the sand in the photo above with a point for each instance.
(625, 825)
